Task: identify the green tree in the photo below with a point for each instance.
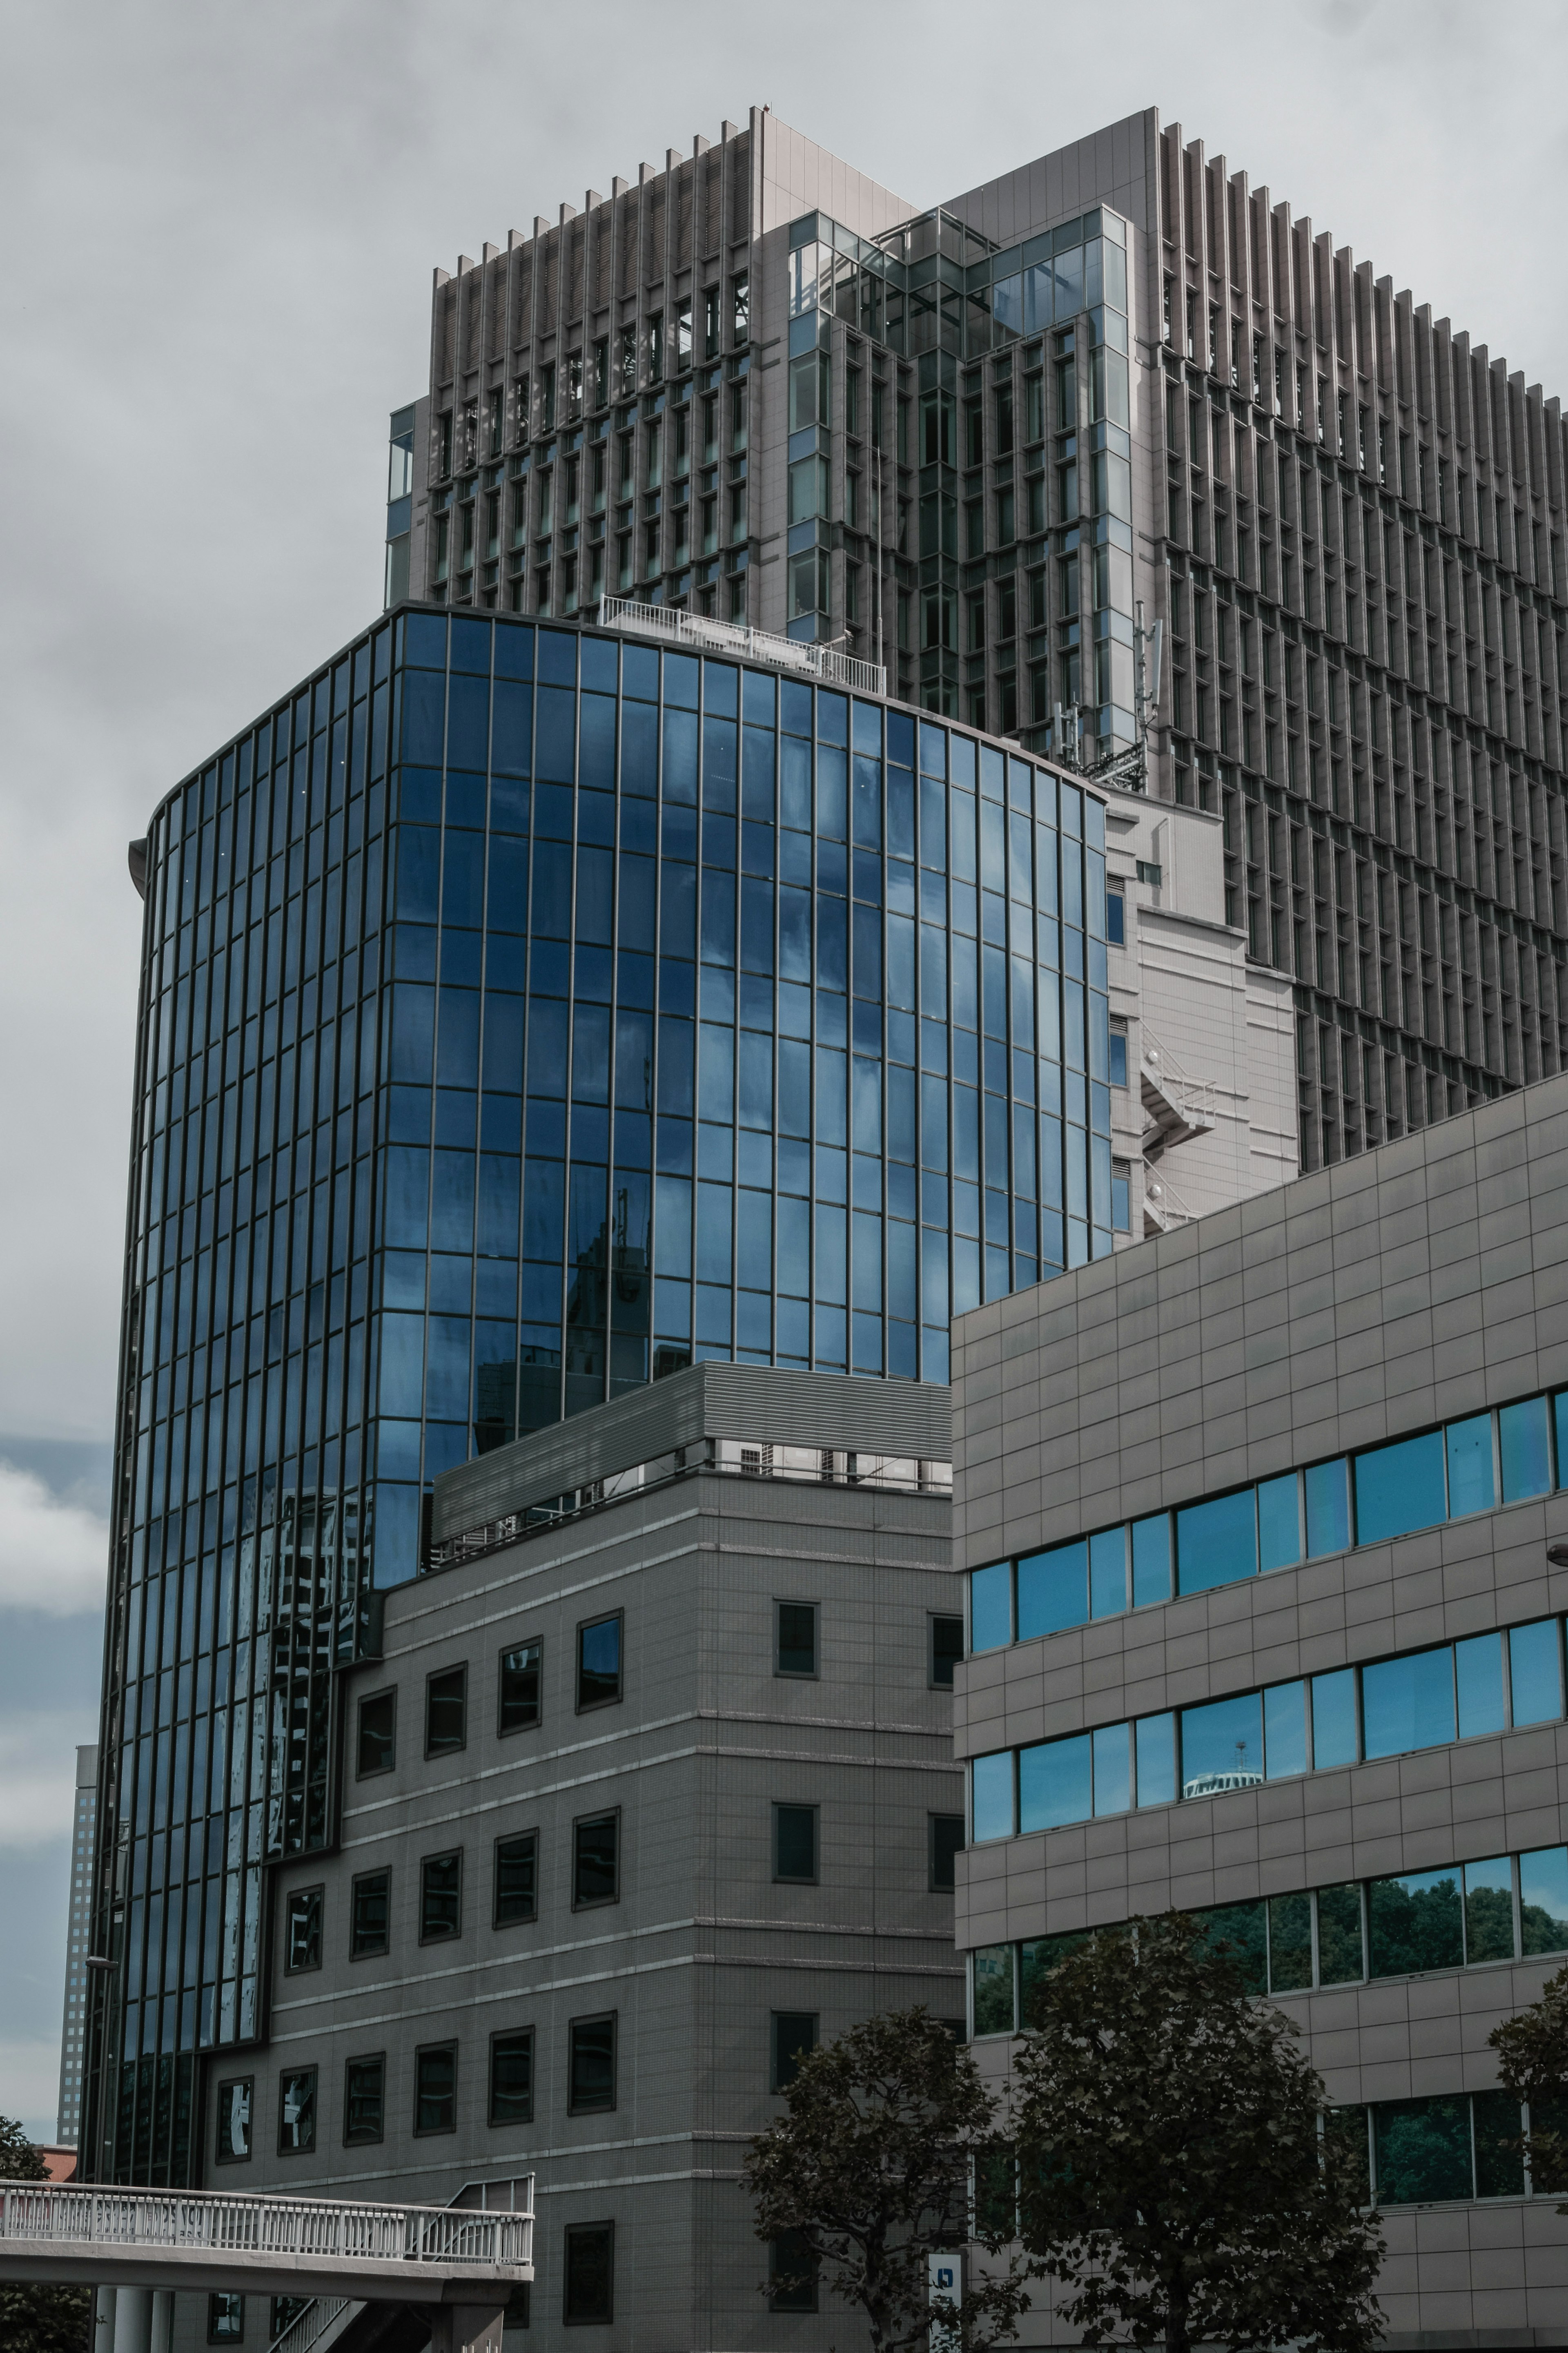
(1532, 2063)
(1173, 2174)
(37, 2319)
(866, 2176)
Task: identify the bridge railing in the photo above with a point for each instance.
(42, 2213)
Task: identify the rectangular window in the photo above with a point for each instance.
(1400, 1487)
(446, 1711)
(226, 2320)
(1416, 1922)
(596, 1860)
(1535, 1671)
(302, 1931)
(589, 2294)
(794, 1650)
(512, 2078)
(1116, 919)
(370, 1914)
(377, 1733)
(946, 1649)
(297, 2112)
(599, 1663)
(1216, 1542)
(1342, 1960)
(364, 2100)
(436, 2088)
(234, 2106)
(1543, 1901)
(520, 1670)
(517, 1879)
(792, 2275)
(440, 1897)
(792, 2038)
(1408, 1704)
(591, 2066)
(794, 1843)
(945, 1837)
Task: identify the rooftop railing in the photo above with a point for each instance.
(698, 633)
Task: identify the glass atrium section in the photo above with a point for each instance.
(525, 1015)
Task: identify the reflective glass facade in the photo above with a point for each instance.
(526, 1014)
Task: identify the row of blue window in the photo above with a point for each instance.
(1506, 1455)
(1419, 1699)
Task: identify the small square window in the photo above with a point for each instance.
(520, 1686)
(446, 1712)
(234, 2106)
(441, 1897)
(946, 1649)
(596, 1860)
(436, 2088)
(517, 1879)
(945, 1836)
(512, 2078)
(599, 1662)
(302, 1931)
(297, 2112)
(226, 2320)
(591, 2077)
(794, 1650)
(792, 2273)
(371, 1915)
(793, 2036)
(589, 2295)
(794, 1843)
(364, 2100)
(377, 1733)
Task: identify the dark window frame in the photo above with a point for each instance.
(511, 2034)
(935, 1883)
(364, 2139)
(292, 1969)
(358, 1952)
(290, 2075)
(441, 1675)
(585, 1821)
(230, 2155)
(575, 2107)
(610, 1699)
(935, 1617)
(782, 2258)
(505, 1731)
(522, 1919)
(363, 1772)
(431, 2051)
(793, 1879)
(798, 1674)
(441, 1936)
(225, 2335)
(575, 2232)
(781, 2063)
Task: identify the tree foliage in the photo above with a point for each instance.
(868, 2170)
(1532, 2063)
(1172, 2171)
(37, 2319)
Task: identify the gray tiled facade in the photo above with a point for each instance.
(1425, 1282)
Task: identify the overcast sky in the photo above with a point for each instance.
(221, 221)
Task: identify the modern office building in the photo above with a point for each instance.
(973, 440)
(79, 1930)
(1266, 1526)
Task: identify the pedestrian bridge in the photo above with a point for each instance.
(207, 2242)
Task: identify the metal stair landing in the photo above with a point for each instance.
(1176, 1106)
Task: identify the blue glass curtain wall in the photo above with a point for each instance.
(525, 1015)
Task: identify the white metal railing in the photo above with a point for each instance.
(307, 2327)
(1161, 1200)
(705, 635)
(1196, 1099)
(47, 2214)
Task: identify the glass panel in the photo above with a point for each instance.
(1423, 2149)
(1499, 2161)
(1543, 1901)
(1400, 1487)
(1407, 1703)
(992, 1967)
(1335, 1740)
(1560, 1419)
(1240, 1931)
(1113, 1768)
(1285, 1730)
(1279, 1521)
(1414, 1923)
(1055, 1783)
(1037, 1960)
(1328, 1508)
(1345, 2133)
(1477, 1672)
(1053, 1589)
(1535, 1671)
(1470, 1465)
(1488, 1910)
(1524, 1449)
(992, 1780)
(991, 1606)
(1340, 1955)
(1156, 1744)
(1289, 1944)
(1108, 1573)
(1222, 1746)
(1216, 1542)
(1151, 1559)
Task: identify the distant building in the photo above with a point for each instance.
(73, 2028)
